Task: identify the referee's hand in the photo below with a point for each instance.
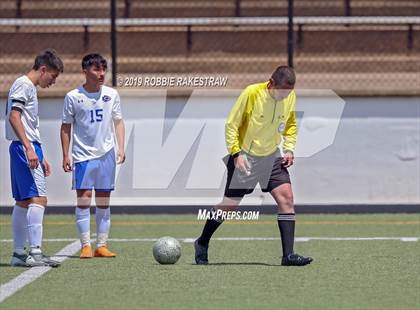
(242, 164)
(288, 159)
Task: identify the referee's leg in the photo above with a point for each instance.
(283, 195)
(227, 204)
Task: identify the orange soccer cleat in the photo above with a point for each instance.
(104, 252)
(86, 252)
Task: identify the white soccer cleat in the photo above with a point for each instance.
(39, 259)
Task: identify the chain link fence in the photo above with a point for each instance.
(352, 56)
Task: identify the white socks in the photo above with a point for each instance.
(83, 225)
(27, 224)
(34, 217)
(103, 225)
(20, 229)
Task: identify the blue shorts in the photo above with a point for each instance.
(98, 174)
(26, 183)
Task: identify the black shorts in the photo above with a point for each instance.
(268, 171)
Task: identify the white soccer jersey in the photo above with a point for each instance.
(23, 95)
(92, 116)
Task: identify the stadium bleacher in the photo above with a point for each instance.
(353, 59)
(199, 8)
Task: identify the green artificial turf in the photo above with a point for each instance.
(372, 274)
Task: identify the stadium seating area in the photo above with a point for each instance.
(196, 8)
(356, 59)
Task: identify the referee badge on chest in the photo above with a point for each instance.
(282, 126)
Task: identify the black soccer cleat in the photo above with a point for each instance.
(295, 260)
(201, 253)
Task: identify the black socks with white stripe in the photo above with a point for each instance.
(286, 222)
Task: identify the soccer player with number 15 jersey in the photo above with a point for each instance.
(94, 111)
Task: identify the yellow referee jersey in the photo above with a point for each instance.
(257, 123)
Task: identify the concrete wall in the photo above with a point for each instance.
(174, 152)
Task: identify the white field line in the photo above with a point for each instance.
(306, 239)
(28, 276)
(297, 239)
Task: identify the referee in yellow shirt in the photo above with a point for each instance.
(262, 118)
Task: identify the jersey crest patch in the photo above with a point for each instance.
(282, 126)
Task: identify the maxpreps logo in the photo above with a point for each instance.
(222, 215)
(106, 98)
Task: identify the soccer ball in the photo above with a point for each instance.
(167, 250)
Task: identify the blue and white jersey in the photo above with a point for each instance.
(23, 95)
(92, 116)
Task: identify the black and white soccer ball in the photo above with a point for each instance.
(167, 250)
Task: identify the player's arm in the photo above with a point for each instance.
(120, 134)
(65, 132)
(236, 117)
(119, 129)
(17, 125)
(289, 135)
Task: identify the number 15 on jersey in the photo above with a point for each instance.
(96, 115)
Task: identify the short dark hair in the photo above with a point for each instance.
(94, 60)
(49, 58)
(284, 75)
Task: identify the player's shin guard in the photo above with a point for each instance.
(83, 225)
(286, 223)
(20, 229)
(103, 225)
(209, 228)
(35, 217)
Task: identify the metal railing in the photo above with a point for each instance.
(334, 46)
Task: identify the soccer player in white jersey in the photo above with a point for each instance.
(28, 166)
(94, 110)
